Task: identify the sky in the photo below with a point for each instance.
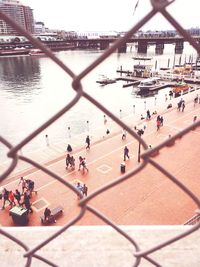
(110, 15)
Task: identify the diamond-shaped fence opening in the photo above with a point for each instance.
(146, 156)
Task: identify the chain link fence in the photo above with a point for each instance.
(158, 6)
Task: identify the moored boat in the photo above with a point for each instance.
(180, 87)
(142, 58)
(36, 52)
(14, 52)
(105, 80)
(183, 69)
(149, 84)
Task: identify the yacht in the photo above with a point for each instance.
(180, 87)
(104, 80)
(36, 52)
(149, 84)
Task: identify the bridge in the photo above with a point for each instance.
(105, 42)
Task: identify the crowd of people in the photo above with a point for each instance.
(19, 198)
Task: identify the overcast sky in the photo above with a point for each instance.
(105, 15)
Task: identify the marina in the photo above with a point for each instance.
(28, 84)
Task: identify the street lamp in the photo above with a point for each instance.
(140, 132)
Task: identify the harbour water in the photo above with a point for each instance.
(32, 89)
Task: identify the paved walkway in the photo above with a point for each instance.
(148, 198)
(101, 247)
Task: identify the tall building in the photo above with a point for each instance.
(22, 15)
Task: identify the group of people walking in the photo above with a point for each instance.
(83, 190)
(181, 105)
(19, 198)
(70, 162)
(159, 122)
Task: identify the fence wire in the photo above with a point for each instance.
(158, 6)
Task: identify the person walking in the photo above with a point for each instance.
(195, 118)
(126, 153)
(5, 197)
(80, 189)
(87, 142)
(80, 163)
(158, 123)
(23, 183)
(17, 196)
(84, 165)
(85, 190)
(30, 187)
(72, 162)
(27, 203)
(195, 100)
(183, 106)
(67, 160)
(123, 134)
(69, 148)
(179, 105)
(148, 115)
(11, 198)
(161, 120)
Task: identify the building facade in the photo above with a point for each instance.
(22, 15)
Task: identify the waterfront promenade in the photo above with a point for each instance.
(148, 198)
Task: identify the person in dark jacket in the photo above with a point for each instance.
(126, 151)
(27, 203)
(5, 196)
(87, 142)
(17, 196)
(69, 148)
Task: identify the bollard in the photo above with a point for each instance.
(134, 109)
(123, 167)
(120, 113)
(88, 126)
(47, 139)
(69, 132)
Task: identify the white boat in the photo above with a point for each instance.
(142, 70)
(36, 52)
(149, 84)
(142, 58)
(105, 80)
(14, 52)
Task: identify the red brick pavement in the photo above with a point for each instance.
(148, 198)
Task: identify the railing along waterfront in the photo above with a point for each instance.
(158, 6)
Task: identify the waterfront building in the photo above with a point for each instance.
(97, 34)
(39, 27)
(22, 15)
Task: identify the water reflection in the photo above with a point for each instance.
(19, 74)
